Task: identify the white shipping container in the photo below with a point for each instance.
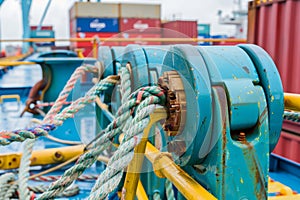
(140, 11)
(94, 9)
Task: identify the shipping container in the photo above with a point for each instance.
(204, 43)
(130, 10)
(104, 25)
(275, 26)
(102, 37)
(43, 34)
(94, 10)
(142, 35)
(203, 29)
(140, 25)
(180, 29)
(288, 145)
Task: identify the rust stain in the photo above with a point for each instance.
(262, 116)
(223, 159)
(253, 165)
(223, 101)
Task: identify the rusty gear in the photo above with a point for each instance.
(176, 102)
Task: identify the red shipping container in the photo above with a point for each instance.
(102, 38)
(289, 142)
(275, 26)
(139, 25)
(135, 35)
(48, 28)
(180, 29)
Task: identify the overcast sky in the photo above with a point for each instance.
(204, 11)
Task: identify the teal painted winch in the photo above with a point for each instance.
(225, 108)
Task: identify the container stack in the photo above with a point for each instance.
(91, 19)
(124, 21)
(140, 21)
(43, 32)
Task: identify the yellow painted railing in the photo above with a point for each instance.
(115, 39)
(95, 40)
(292, 101)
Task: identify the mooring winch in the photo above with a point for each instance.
(225, 106)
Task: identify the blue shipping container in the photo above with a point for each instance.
(203, 36)
(104, 25)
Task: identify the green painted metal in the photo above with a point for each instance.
(234, 114)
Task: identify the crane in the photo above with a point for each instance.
(25, 6)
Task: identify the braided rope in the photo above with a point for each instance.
(101, 143)
(11, 190)
(24, 170)
(156, 196)
(88, 177)
(78, 104)
(125, 84)
(61, 100)
(50, 104)
(169, 190)
(7, 137)
(4, 183)
(111, 176)
(88, 158)
(292, 116)
(69, 192)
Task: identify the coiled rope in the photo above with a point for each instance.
(140, 104)
(54, 119)
(5, 180)
(95, 148)
(58, 120)
(111, 176)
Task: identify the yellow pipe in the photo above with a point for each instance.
(134, 167)
(13, 63)
(289, 197)
(140, 192)
(292, 101)
(165, 167)
(79, 52)
(95, 50)
(10, 96)
(14, 58)
(41, 157)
